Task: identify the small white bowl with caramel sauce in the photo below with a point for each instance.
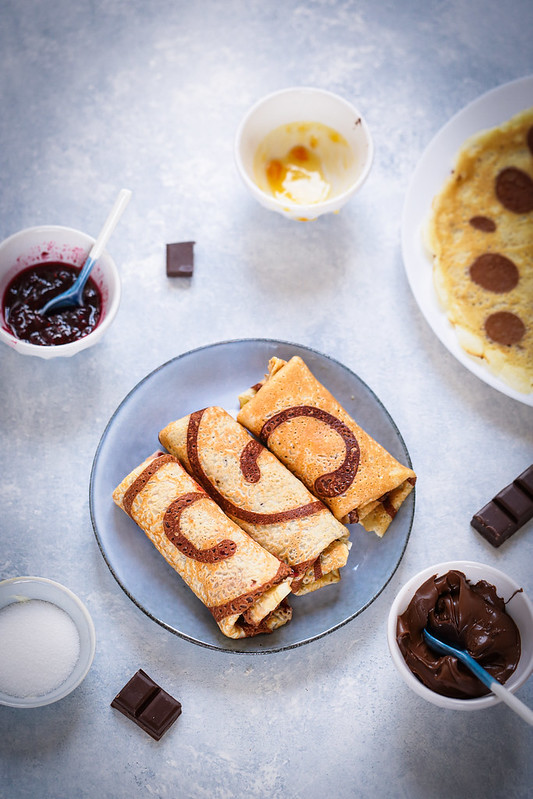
(303, 152)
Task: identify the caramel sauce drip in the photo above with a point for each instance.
(298, 177)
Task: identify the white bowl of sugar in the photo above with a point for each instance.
(48, 642)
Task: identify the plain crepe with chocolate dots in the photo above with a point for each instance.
(481, 237)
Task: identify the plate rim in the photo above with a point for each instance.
(412, 246)
(161, 622)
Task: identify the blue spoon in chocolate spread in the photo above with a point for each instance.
(487, 679)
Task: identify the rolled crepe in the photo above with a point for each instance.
(261, 495)
(242, 584)
(304, 425)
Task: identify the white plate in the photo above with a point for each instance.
(215, 375)
(434, 167)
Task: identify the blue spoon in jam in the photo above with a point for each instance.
(74, 294)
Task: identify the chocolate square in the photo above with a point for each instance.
(159, 713)
(493, 524)
(516, 503)
(180, 259)
(525, 481)
(508, 511)
(147, 705)
(136, 693)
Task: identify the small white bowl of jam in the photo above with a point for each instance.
(38, 263)
(303, 152)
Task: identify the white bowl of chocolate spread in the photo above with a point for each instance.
(303, 152)
(474, 606)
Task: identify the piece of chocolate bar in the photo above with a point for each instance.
(508, 511)
(180, 259)
(147, 704)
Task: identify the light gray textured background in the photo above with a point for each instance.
(102, 94)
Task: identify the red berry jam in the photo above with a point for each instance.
(31, 289)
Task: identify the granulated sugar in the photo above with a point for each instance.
(39, 647)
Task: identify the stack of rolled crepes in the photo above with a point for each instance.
(242, 584)
(242, 528)
(261, 495)
(298, 419)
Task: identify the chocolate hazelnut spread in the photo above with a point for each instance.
(139, 483)
(505, 328)
(495, 272)
(248, 461)
(462, 614)
(483, 223)
(172, 527)
(514, 189)
(251, 472)
(333, 483)
(244, 602)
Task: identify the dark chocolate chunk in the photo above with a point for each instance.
(493, 524)
(515, 503)
(180, 259)
(508, 511)
(483, 223)
(525, 481)
(147, 705)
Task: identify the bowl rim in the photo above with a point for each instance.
(47, 351)
(86, 655)
(404, 595)
(319, 208)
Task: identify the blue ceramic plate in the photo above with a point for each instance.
(215, 375)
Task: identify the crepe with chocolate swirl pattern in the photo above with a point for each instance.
(303, 424)
(261, 495)
(242, 584)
